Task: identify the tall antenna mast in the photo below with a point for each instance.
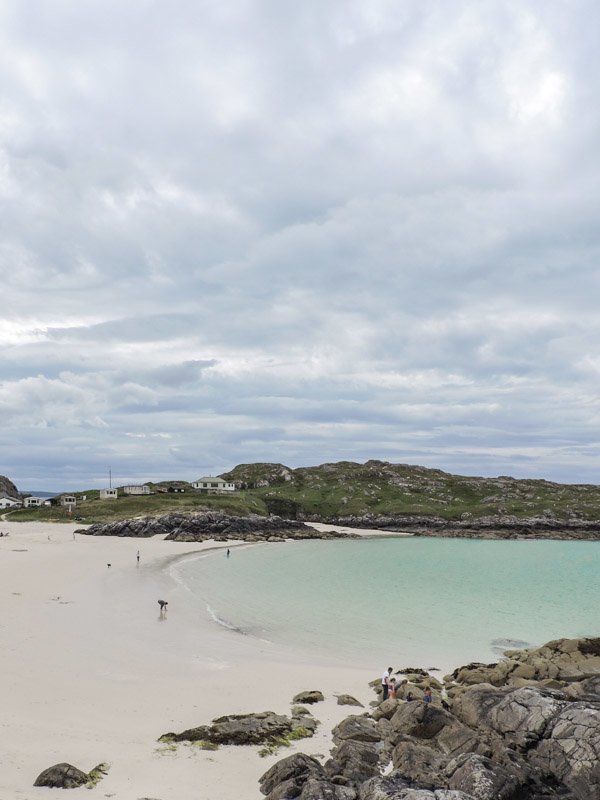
(109, 478)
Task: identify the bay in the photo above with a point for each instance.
(409, 601)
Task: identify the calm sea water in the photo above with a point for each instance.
(406, 601)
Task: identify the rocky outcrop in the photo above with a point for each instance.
(240, 729)
(62, 776)
(501, 526)
(7, 487)
(495, 742)
(556, 664)
(214, 525)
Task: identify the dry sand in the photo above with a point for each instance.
(91, 673)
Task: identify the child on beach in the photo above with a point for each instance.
(392, 689)
(427, 696)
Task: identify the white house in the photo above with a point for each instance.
(143, 489)
(34, 502)
(68, 500)
(108, 494)
(213, 485)
(6, 501)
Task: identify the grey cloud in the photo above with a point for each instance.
(298, 233)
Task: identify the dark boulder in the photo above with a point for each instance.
(62, 776)
(297, 767)
(310, 697)
(348, 700)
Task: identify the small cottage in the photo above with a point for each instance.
(212, 485)
(141, 489)
(34, 502)
(6, 501)
(108, 494)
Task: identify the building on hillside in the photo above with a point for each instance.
(141, 489)
(108, 494)
(34, 502)
(68, 500)
(6, 501)
(213, 485)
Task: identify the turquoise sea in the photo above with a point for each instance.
(406, 601)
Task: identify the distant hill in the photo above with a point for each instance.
(378, 488)
(376, 494)
(8, 487)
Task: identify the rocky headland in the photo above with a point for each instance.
(215, 525)
(487, 527)
(526, 728)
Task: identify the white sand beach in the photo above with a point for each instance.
(91, 673)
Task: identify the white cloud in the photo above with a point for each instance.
(234, 232)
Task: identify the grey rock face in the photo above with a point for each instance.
(395, 788)
(62, 776)
(353, 761)
(359, 729)
(484, 779)
(508, 742)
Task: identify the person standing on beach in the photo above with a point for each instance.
(392, 689)
(138, 556)
(227, 552)
(385, 682)
(427, 696)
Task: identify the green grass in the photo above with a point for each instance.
(93, 509)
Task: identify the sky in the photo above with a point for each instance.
(298, 232)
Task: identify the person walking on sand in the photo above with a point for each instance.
(385, 682)
(163, 607)
(138, 556)
(228, 552)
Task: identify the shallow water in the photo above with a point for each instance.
(406, 601)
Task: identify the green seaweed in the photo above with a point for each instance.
(95, 775)
(284, 741)
(204, 745)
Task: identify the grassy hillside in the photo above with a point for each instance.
(125, 507)
(349, 489)
(377, 487)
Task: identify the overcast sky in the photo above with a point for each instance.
(300, 232)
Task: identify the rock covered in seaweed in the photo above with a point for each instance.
(62, 776)
(241, 729)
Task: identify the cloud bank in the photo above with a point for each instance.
(257, 231)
